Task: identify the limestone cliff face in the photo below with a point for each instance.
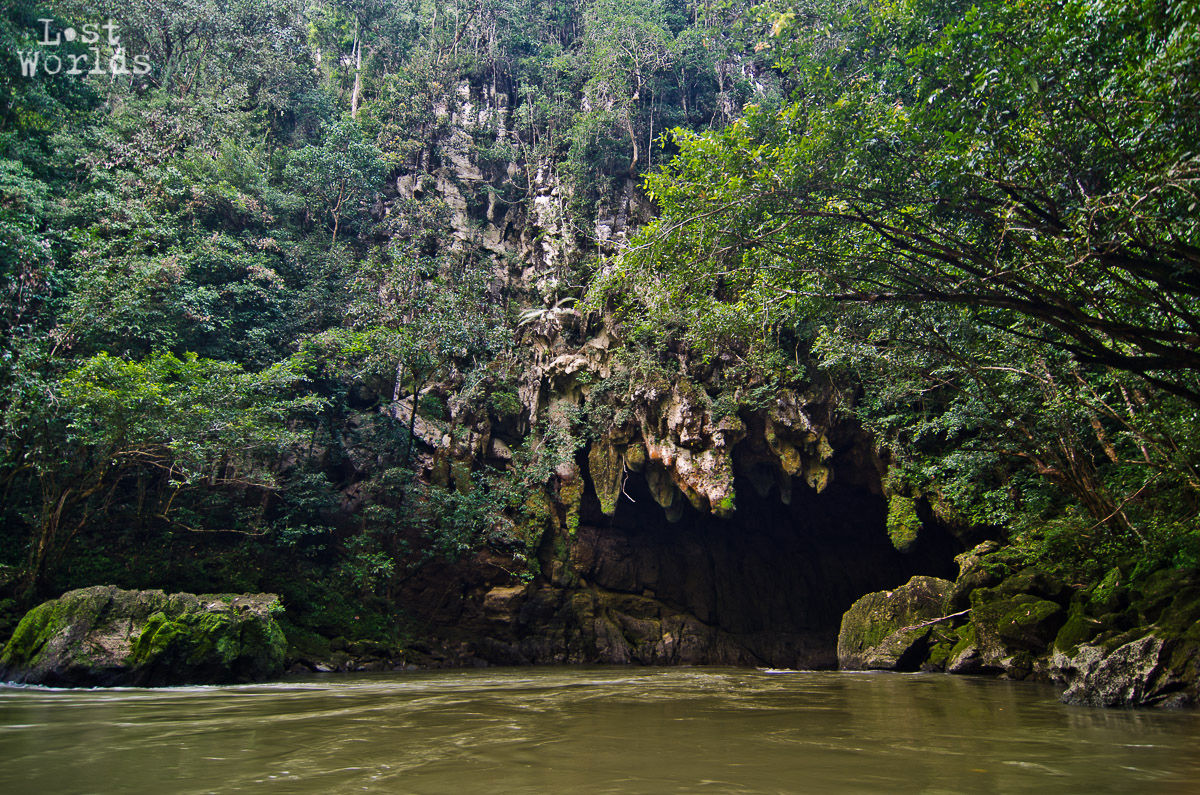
(667, 429)
(516, 212)
(701, 521)
(680, 533)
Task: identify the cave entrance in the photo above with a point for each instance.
(772, 580)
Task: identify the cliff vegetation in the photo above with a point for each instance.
(621, 330)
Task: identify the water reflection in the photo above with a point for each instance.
(591, 731)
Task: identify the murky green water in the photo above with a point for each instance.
(565, 730)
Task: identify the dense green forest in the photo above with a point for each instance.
(221, 261)
(986, 215)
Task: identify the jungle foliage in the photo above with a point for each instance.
(205, 304)
(985, 214)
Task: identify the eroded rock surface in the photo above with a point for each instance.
(1131, 675)
(105, 636)
(765, 587)
(701, 520)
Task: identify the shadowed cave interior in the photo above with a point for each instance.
(766, 586)
(776, 578)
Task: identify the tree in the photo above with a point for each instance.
(195, 46)
(989, 204)
(430, 316)
(340, 174)
(1017, 161)
(186, 423)
(627, 46)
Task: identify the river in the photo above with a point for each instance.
(590, 730)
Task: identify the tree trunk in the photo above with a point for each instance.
(337, 214)
(412, 422)
(633, 140)
(357, 55)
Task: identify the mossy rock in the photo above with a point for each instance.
(1109, 595)
(635, 457)
(967, 584)
(460, 473)
(1182, 663)
(964, 639)
(304, 644)
(817, 475)
(943, 640)
(604, 467)
(1077, 630)
(1005, 625)
(1169, 598)
(965, 657)
(1019, 665)
(538, 514)
(1130, 675)
(1035, 582)
(1147, 649)
(887, 629)
(571, 495)
(903, 524)
(724, 507)
(939, 655)
(104, 636)
(790, 460)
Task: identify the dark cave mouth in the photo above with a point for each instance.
(774, 577)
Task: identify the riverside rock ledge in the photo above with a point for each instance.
(104, 637)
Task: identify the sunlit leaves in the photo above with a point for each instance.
(1003, 188)
(198, 417)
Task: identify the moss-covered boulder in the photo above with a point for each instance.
(105, 636)
(1012, 630)
(1034, 582)
(963, 656)
(972, 574)
(1078, 629)
(890, 630)
(1143, 651)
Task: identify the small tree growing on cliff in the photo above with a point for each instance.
(339, 175)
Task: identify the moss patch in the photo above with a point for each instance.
(1079, 629)
(105, 636)
(1109, 595)
(32, 633)
(966, 638)
(571, 496)
(724, 506)
(1020, 622)
(604, 466)
(155, 639)
(903, 524)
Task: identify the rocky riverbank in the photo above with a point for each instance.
(1122, 642)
